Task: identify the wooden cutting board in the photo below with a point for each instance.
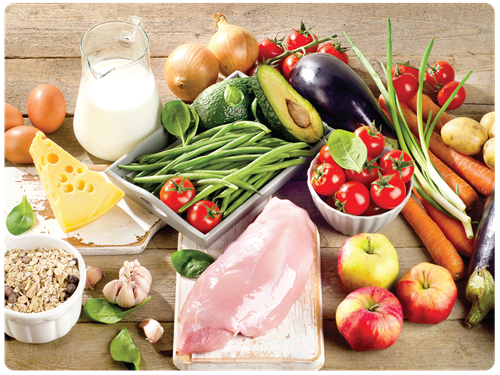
(297, 344)
(125, 229)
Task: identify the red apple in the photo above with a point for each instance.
(370, 318)
(427, 293)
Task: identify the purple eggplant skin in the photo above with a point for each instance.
(340, 96)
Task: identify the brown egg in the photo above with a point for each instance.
(46, 108)
(12, 117)
(17, 144)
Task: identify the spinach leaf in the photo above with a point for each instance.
(176, 117)
(233, 96)
(20, 219)
(102, 311)
(123, 349)
(193, 125)
(347, 149)
(191, 263)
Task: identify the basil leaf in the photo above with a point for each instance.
(123, 349)
(191, 263)
(176, 117)
(233, 96)
(193, 125)
(20, 219)
(347, 149)
(102, 311)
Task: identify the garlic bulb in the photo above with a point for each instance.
(132, 286)
(152, 329)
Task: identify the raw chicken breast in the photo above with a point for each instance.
(251, 287)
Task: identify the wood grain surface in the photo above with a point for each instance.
(42, 46)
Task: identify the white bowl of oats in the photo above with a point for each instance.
(44, 281)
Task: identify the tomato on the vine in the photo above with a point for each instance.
(327, 178)
(335, 50)
(447, 90)
(177, 192)
(270, 48)
(204, 215)
(289, 63)
(388, 191)
(372, 138)
(325, 156)
(300, 38)
(399, 162)
(367, 175)
(402, 68)
(352, 198)
(438, 74)
(405, 85)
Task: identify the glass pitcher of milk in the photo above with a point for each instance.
(118, 104)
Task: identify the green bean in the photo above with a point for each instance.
(256, 138)
(218, 164)
(238, 125)
(198, 197)
(212, 181)
(164, 178)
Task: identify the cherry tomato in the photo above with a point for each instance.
(373, 139)
(177, 192)
(204, 215)
(299, 38)
(352, 198)
(368, 175)
(327, 178)
(335, 50)
(289, 63)
(397, 161)
(438, 74)
(405, 85)
(447, 91)
(399, 69)
(373, 210)
(325, 156)
(388, 191)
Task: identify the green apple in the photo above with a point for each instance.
(367, 259)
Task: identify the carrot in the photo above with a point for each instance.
(427, 106)
(466, 193)
(476, 173)
(452, 229)
(440, 248)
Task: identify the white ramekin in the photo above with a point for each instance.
(351, 225)
(42, 327)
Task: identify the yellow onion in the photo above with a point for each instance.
(235, 47)
(190, 69)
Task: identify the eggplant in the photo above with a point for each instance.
(480, 289)
(340, 96)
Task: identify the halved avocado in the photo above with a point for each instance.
(290, 116)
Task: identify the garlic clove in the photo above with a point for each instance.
(140, 295)
(144, 273)
(126, 296)
(152, 329)
(141, 282)
(94, 275)
(111, 290)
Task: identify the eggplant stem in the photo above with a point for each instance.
(480, 291)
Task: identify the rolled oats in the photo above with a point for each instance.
(37, 280)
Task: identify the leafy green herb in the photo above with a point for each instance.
(102, 311)
(233, 96)
(123, 349)
(193, 125)
(176, 118)
(347, 149)
(191, 263)
(20, 219)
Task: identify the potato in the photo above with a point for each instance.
(464, 135)
(491, 132)
(487, 120)
(489, 153)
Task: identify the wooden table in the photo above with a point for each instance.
(42, 46)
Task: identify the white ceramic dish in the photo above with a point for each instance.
(348, 224)
(42, 327)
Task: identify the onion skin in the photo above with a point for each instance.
(235, 47)
(189, 70)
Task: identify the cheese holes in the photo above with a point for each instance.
(54, 197)
(68, 188)
(69, 169)
(53, 159)
(43, 161)
(79, 170)
(80, 185)
(62, 178)
(89, 188)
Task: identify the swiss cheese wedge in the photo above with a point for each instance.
(77, 195)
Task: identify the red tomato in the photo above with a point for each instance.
(399, 69)
(397, 161)
(438, 74)
(300, 38)
(388, 191)
(373, 139)
(204, 215)
(325, 156)
(373, 210)
(177, 192)
(270, 48)
(288, 64)
(447, 91)
(367, 176)
(335, 50)
(405, 85)
(352, 198)
(327, 178)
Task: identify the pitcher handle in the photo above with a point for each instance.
(126, 37)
